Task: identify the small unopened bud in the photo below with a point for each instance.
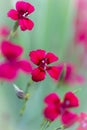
(20, 94)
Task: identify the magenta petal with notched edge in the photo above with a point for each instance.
(11, 51)
(50, 112)
(13, 14)
(24, 6)
(55, 72)
(25, 66)
(69, 118)
(37, 55)
(7, 71)
(52, 98)
(38, 75)
(70, 100)
(26, 24)
(51, 57)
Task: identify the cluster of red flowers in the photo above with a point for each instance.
(12, 63)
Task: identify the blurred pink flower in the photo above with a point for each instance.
(4, 31)
(42, 60)
(82, 119)
(12, 63)
(55, 107)
(70, 76)
(81, 23)
(23, 9)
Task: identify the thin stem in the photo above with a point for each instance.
(45, 124)
(13, 32)
(27, 95)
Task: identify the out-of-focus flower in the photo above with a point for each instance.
(82, 119)
(81, 23)
(42, 60)
(4, 31)
(12, 62)
(55, 107)
(69, 75)
(23, 9)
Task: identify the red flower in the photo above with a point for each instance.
(70, 75)
(42, 60)
(23, 9)
(12, 63)
(55, 107)
(82, 119)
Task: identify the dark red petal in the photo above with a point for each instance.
(55, 71)
(37, 55)
(70, 100)
(11, 51)
(69, 118)
(25, 66)
(24, 6)
(51, 113)
(26, 24)
(38, 75)
(13, 14)
(52, 98)
(51, 57)
(7, 71)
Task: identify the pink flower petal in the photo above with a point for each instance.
(25, 66)
(70, 100)
(80, 79)
(81, 128)
(24, 6)
(7, 71)
(26, 24)
(51, 57)
(55, 71)
(69, 118)
(52, 98)
(69, 71)
(38, 75)
(13, 14)
(37, 55)
(11, 51)
(51, 113)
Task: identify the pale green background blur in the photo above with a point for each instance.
(53, 31)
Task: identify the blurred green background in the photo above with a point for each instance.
(53, 31)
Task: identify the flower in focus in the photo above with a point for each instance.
(55, 107)
(12, 62)
(23, 9)
(42, 60)
(82, 119)
(70, 76)
(4, 31)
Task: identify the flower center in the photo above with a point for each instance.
(23, 14)
(43, 64)
(64, 106)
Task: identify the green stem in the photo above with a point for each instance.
(27, 95)
(45, 124)
(62, 127)
(13, 32)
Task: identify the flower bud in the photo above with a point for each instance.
(20, 94)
